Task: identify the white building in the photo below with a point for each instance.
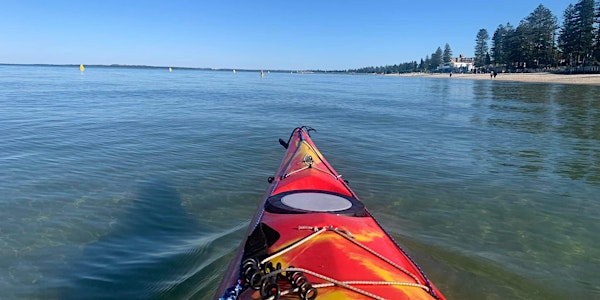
(462, 62)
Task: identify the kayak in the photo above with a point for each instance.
(312, 238)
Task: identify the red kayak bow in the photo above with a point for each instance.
(313, 238)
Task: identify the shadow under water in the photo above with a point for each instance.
(153, 247)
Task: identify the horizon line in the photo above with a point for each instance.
(165, 67)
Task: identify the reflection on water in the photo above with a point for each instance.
(579, 116)
(541, 112)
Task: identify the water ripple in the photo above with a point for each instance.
(137, 183)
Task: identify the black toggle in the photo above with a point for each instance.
(283, 143)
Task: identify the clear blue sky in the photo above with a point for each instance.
(253, 34)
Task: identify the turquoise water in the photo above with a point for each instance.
(130, 183)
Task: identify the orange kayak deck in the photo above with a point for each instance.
(312, 238)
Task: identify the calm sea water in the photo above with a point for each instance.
(139, 183)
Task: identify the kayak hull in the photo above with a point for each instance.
(312, 237)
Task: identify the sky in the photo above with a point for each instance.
(253, 34)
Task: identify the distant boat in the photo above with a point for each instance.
(234, 71)
(262, 74)
(170, 70)
(81, 68)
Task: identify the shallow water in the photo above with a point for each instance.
(138, 183)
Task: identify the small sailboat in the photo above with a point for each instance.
(262, 74)
(81, 68)
(234, 71)
(170, 70)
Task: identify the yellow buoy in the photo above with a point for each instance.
(81, 68)
(170, 70)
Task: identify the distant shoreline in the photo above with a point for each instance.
(581, 79)
(543, 77)
(147, 67)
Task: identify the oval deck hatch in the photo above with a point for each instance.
(316, 202)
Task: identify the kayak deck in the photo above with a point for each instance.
(313, 238)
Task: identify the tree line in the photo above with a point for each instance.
(429, 64)
(538, 42)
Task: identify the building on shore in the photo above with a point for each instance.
(460, 64)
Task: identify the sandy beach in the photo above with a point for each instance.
(584, 79)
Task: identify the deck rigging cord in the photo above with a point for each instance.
(266, 281)
(308, 162)
(333, 282)
(347, 235)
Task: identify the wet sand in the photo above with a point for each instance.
(585, 79)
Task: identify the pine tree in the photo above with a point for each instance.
(520, 53)
(597, 45)
(425, 65)
(577, 35)
(539, 29)
(585, 10)
(567, 40)
(447, 56)
(498, 52)
(436, 59)
(510, 46)
(502, 45)
(481, 47)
